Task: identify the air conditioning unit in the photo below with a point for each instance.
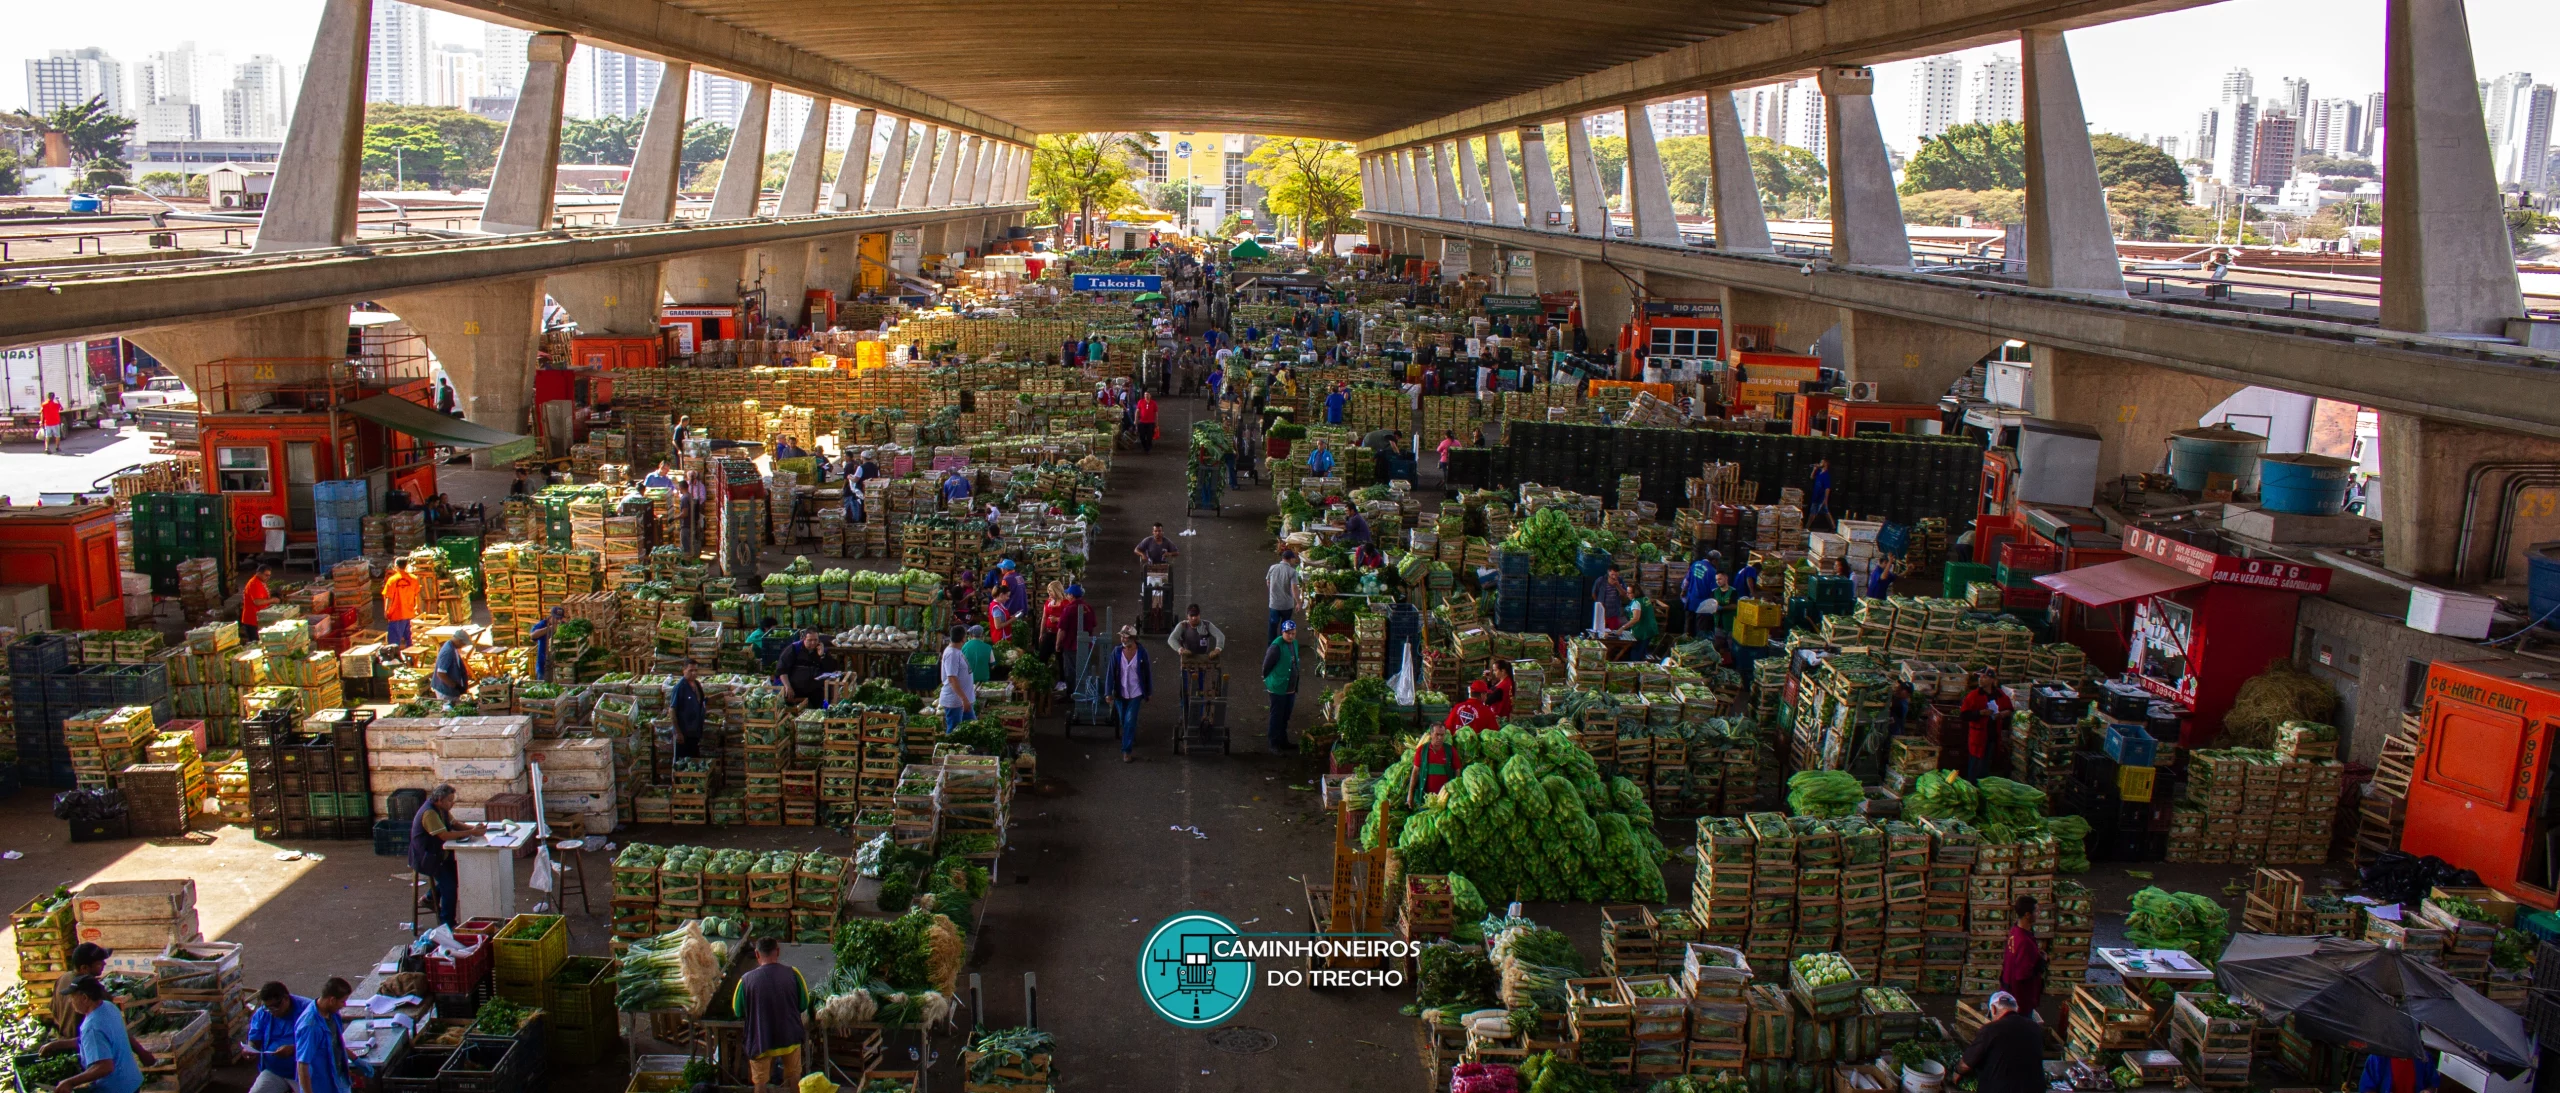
(1862, 391)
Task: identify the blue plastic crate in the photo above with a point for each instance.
(140, 684)
(2131, 744)
(96, 685)
(39, 655)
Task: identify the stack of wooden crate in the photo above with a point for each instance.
(2216, 1050)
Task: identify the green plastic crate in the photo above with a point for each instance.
(1962, 575)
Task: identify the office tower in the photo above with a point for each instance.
(396, 59)
(2295, 96)
(258, 103)
(2277, 144)
(624, 85)
(1997, 93)
(1937, 85)
(2236, 145)
(69, 77)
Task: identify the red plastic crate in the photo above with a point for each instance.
(460, 974)
(2034, 556)
(2031, 599)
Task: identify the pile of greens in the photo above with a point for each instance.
(982, 735)
(1824, 794)
(2071, 843)
(499, 1017)
(1360, 738)
(1012, 1047)
(1942, 795)
(2015, 804)
(2186, 921)
(1456, 978)
(2513, 950)
(1552, 542)
(1528, 817)
(1544, 1073)
(897, 952)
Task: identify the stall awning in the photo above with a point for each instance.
(2118, 581)
(394, 412)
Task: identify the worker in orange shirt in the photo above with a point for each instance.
(254, 598)
(399, 603)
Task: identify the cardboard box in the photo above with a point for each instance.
(160, 901)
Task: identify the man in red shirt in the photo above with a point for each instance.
(1474, 713)
(1146, 422)
(51, 419)
(254, 598)
(1984, 707)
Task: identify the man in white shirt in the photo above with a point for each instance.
(959, 685)
(1282, 581)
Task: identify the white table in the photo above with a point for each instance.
(486, 868)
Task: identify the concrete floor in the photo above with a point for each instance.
(1100, 852)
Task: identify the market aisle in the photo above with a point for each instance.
(1103, 850)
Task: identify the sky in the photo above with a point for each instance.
(2142, 76)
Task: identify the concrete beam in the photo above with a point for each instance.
(846, 195)
(1793, 324)
(919, 185)
(893, 170)
(2070, 244)
(1741, 225)
(2134, 406)
(313, 201)
(741, 193)
(1648, 191)
(672, 33)
(1545, 208)
(1908, 361)
(1866, 214)
(109, 300)
(1609, 297)
(808, 164)
(1506, 197)
(657, 166)
(1840, 32)
(311, 333)
(527, 178)
(2494, 386)
(485, 337)
(614, 300)
(1555, 272)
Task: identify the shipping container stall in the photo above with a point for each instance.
(2480, 796)
(72, 550)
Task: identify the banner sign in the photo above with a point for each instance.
(1495, 304)
(1119, 282)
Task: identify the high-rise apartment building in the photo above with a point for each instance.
(2235, 148)
(2521, 149)
(454, 76)
(1937, 88)
(2334, 127)
(1998, 93)
(716, 98)
(2372, 126)
(69, 77)
(2277, 145)
(396, 59)
(2208, 133)
(2294, 95)
(502, 58)
(624, 85)
(259, 103)
(2239, 86)
(1788, 113)
(1679, 117)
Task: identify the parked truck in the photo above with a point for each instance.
(29, 374)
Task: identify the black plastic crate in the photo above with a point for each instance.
(90, 831)
(482, 1066)
(417, 1070)
(39, 655)
(139, 684)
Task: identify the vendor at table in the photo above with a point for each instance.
(319, 1041)
(1355, 532)
(428, 832)
(270, 1040)
(112, 1062)
(801, 664)
(1435, 763)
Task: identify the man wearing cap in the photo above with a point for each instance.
(1475, 712)
(1435, 763)
(2007, 1056)
(1698, 591)
(111, 1061)
(451, 677)
(1280, 682)
(1076, 620)
(1017, 595)
(980, 653)
(87, 958)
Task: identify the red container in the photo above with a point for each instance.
(2027, 599)
(462, 973)
(2037, 556)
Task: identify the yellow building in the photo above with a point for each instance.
(1215, 164)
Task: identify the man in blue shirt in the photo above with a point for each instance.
(1333, 406)
(955, 487)
(541, 634)
(659, 479)
(110, 1061)
(1699, 588)
(270, 1040)
(319, 1050)
(451, 678)
(1320, 461)
(1818, 500)
(1746, 580)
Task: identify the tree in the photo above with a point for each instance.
(471, 140)
(10, 180)
(2524, 224)
(102, 172)
(1688, 165)
(601, 140)
(1088, 173)
(1971, 156)
(163, 183)
(2126, 162)
(2155, 213)
(1315, 182)
(1945, 208)
(89, 131)
(406, 155)
(2342, 166)
(1793, 183)
(1177, 195)
(705, 143)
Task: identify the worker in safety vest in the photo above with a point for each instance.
(1435, 764)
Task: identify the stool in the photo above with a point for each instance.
(572, 872)
(422, 899)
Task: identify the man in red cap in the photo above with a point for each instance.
(1475, 713)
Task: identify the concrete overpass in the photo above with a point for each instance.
(1432, 93)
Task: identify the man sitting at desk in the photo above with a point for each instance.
(428, 832)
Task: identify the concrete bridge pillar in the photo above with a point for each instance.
(1431, 181)
(1741, 225)
(1648, 191)
(1609, 299)
(657, 166)
(614, 300)
(1590, 202)
(1485, 260)
(893, 170)
(919, 182)
(1471, 201)
(946, 164)
(521, 191)
(1410, 182)
(964, 182)
(808, 163)
(318, 333)
(1866, 216)
(2449, 270)
(313, 203)
(845, 195)
(1506, 196)
(1538, 176)
(484, 334)
(2133, 406)
(988, 161)
(1555, 272)
(1791, 325)
(2070, 244)
(1912, 362)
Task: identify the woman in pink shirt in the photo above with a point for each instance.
(1448, 443)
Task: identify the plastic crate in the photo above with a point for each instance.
(532, 961)
(461, 972)
(584, 1046)
(580, 994)
(416, 1071)
(391, 838)
(39, 655)
(481, 1066)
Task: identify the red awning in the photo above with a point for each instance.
(2118, 581)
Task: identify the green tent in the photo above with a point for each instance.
(1248, 249)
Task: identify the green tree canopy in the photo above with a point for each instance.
(1945, 208)
(2126, 162)
(407, 154)
(1088, 174)
(1315, 183)
(1793, 182)
(1972, 156)
(89, 130)
(705, 143)
(10, 180)
(471, 140)
(2341, 166)
(1176, 195)
(612, 141)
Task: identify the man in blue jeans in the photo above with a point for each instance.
(1280, 682)
(1282, 581)
(1128, 678)
(428, 831)
(959, 684)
